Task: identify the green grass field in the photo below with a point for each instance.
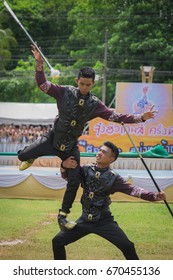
(34, 222)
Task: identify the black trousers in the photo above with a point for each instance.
(44, 147)
(106, 229)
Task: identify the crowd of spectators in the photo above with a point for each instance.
(15, 137)
(12, 135)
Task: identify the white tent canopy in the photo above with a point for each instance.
(27, 113)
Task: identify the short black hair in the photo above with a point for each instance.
(86, 72)
(113, 148)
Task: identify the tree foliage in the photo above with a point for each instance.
(71, 34)
(6, 40)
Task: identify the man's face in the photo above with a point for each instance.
(84, 85)
(104, 156)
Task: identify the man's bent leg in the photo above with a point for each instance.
(73, 179)
(68, 199)
(71, 190)
(39, 148)
(63, 238)
(113, 233)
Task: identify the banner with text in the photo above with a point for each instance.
(135, 98)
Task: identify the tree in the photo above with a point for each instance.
(46, 22)
(142, 36)
(6, 40)
(71, 34)
(139, 33)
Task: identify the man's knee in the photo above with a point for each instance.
(53, 242)
(57, 240)
(21, 155)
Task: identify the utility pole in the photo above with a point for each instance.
(105, 68)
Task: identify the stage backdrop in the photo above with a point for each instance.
(136, 98)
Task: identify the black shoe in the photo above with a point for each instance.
(63, 222)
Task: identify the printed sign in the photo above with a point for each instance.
(135, 98)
